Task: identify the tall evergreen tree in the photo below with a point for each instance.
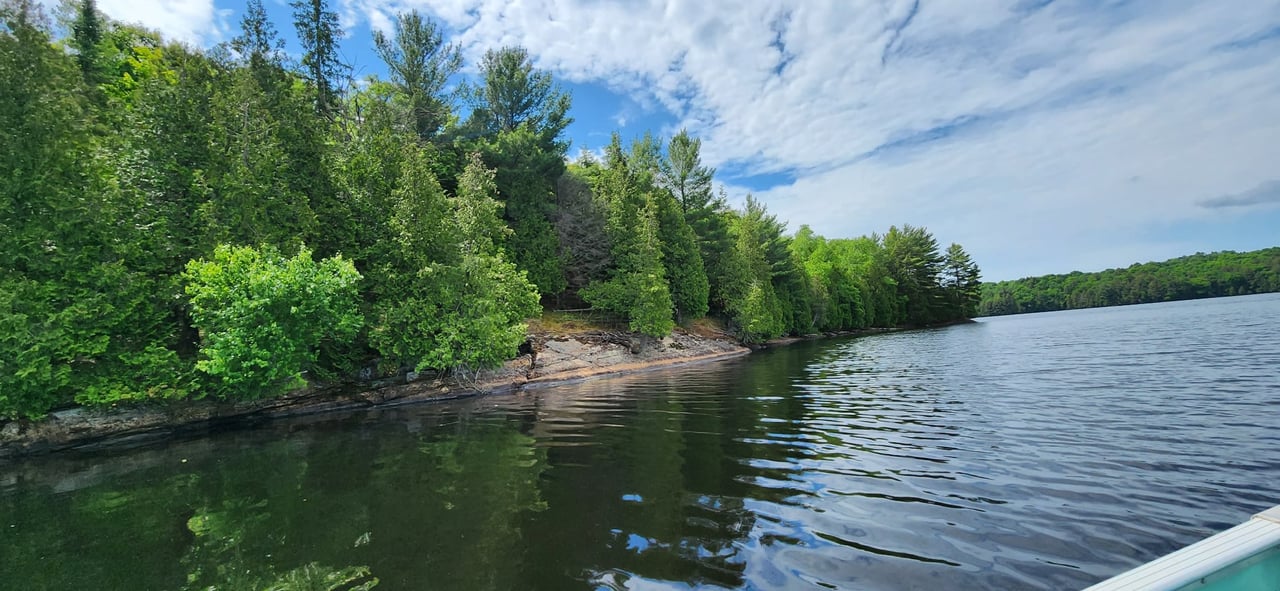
(514, 93)
(267, 146)
(86, 37)
(962, 282)
(520, 115)
(580, 227)
(637, 286)
(914, 263)
(319, 32)
(682, 260)
(683, 174)
(681, 255)
(759, 313)
(450, 299)
(258, 44)
(421, 65)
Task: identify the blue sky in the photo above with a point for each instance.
(1044, 136)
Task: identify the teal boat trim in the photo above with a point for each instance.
(1200, 565)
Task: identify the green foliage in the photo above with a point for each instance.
(452, 300)
(681, 255)
(257, 42)
(262, 317)
(266, 165)
(526, 171)
(130, 163)
(728, 272)
(637, 287)
(85, 311)
(519, 116)
(485, 323)
(682, 259)
(421, 65)
(682, 174)
(961, 281)
(641, 297)
(514, 95)
(836, 291)
(1200, 275)
(367, 169)
(86, 36)
(36, 349)
(580, 227)
(764, 313)
(406, 278)
(318, 33)
(914, 264)
(819, 284)
(758, 317)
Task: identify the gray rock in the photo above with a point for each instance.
(571, 347)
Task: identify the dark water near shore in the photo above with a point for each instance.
(1039, 451)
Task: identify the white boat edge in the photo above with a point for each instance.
(1201, 559)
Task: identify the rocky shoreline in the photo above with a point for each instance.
(553, 359)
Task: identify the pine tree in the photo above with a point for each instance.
(421, 65)
(319, 32)
(962, 281)
(86, 37)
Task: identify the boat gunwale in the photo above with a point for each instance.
(1188, 565)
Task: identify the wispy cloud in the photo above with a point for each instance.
(1267, 193)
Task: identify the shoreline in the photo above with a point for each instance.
(559, 359)
(861, 332)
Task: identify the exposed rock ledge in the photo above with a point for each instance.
(556, 359)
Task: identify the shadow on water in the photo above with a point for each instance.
(1038, 452)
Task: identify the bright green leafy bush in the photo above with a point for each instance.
(262, 317)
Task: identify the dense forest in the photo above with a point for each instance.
(1185, 278)
(183, 223)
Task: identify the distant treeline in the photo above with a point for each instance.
(179, 223)
(1200, 275)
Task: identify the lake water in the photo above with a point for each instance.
(1039, 451)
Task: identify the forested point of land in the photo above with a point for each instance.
(180, 223)
(1192, 277)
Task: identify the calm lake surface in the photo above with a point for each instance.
(1040, 451)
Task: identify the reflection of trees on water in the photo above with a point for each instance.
(659, 492)
(640, 477)
(267, 509)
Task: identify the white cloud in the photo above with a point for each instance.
(192, 21)
(1075, 127)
